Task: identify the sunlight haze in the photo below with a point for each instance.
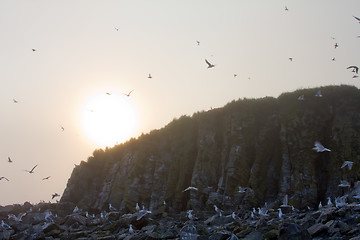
(58, 56)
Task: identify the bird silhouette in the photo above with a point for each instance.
(32, 170)
(336, 45)
(55, 195)
(354, 69)
(128, 94)
(320, 148)
(33, 49)
(15, 101)
(108, 93)
(46, 178)
(198, 43)
(286, 8)
(290, 59)
(209, 64)
(116, 29)
(62, 128)
(357, 18)
(149, 76)
(9, 160)
(333, 59)
(1, 178)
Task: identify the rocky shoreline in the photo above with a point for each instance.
(66, 221)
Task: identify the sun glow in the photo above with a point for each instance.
(108, 119)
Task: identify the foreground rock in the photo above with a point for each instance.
(45, 222)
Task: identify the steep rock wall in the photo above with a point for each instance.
(264, 145)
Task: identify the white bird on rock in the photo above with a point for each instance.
(111, 208)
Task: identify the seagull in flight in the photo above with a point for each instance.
(9, 160)
(15, 101)
(355, 69)
(290, 58)
(46, 178)
(320, 148)
(336, 45)
(128, 94)
(198, 43)
(32, 170)
(55, 195)
(117, 29)
(108, 93)
(333, 59)
(62, 128)
(357, 18)
(33, 49)
(286, 8)
(318, 94)
(209, 64)
(1, 178)
(347, 164)
(190, 188)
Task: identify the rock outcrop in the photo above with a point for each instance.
(264, 146)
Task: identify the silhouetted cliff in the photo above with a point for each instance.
(264, 145)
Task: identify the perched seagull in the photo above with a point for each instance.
(281, 215)
(336, 45)
(111, 208)
(128, 94)
(149, 76)
(261, 212)
(137, 207)
(190, 188)
(131, 230)
(46, 178)
(234, 216)
(15, 101)
(5, 226)
(347, 164)
(32, 170)
(1, 178)
(241, 190)
(209, 64)
(344, 183)
(189, 215)
(357, 18)
(320, 148)
(355, 69)
(329, 203)
(301, 98)
(16, 218)
(9, 160)
(55, 195)
(76, 209)
(318, 94)
(320, 205)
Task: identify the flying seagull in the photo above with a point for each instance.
(33, 49)
(116, 29)
(357, 18)
(55, 195)
(46, 178)
(355, 69)
(198, 43)
(209, 64)
(15, 101)
(336, 45)
(320, 148)
(286, 9)
(62, 128)
(108, 93)
(290, 58)
(347, 164)
(9, 160)
(149, 76)
(318, 94)
(32, 170)
(128, 94)
(333, 59)
(1, 178)
(190, 188)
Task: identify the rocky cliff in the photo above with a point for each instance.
(261, 145)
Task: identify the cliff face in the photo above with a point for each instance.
(264, 145)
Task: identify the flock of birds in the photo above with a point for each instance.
(31, 171)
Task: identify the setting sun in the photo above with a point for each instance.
(109, 118)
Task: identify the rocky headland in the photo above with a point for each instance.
(248, 170)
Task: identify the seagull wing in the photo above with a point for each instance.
(33, 168)
(357, 18)
(208, 63)
(4, 178)
(318, 144)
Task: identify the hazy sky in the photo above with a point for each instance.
(85, 49)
